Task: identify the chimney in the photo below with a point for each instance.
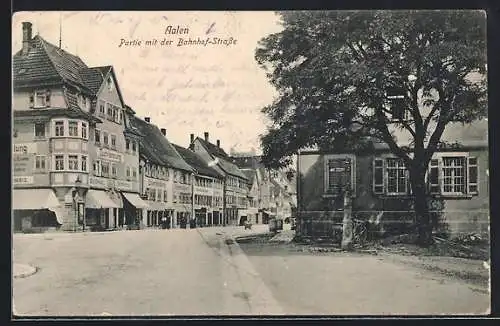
(163, 131)
(206, 136)
(218, 143)
(147, 119)
(191, 142)
(27, 34)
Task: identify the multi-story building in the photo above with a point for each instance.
(235, 182)
(208, 189)
(166, 179)
(68, 140)
(252, 211)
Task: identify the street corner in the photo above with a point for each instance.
(23, 270)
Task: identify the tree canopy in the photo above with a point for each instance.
(335, 72)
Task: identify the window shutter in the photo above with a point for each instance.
(434, 177)
(378, 176)
(32, 100)
(472, 176)
(47, 98)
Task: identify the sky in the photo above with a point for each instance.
(186, 89)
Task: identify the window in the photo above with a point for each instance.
(120, 116)
(339, 174)
(105, 138)
(454, 175)
(113, 141)
(73, 128)
(164, 195)
(40, 162)
(97, 168)
(102, 109)
(134, 148)
(113, 170)
(59, 128)
(109, 84)
(73, 162)
(97, 136)
(105, 169)
(127, 144)
(396, 176)
(84, 163)
(473, 175)
(84, 130)
(40, 130)
(59, 162)
(134, 173)
(40, 99)
(127, 172)
(109, 111)
(158, 195)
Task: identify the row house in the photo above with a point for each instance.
(235, 182)
(275, 194)
(166, 180)
(208, 189)
(68, 141)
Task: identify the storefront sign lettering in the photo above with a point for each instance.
(202, 190)
(123, 185)
(22, 180)
(108, 155)
(110, 183)
(22, 164)
(26, 148)
(155, 183)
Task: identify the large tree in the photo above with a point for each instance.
(339, 73)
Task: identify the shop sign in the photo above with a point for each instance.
(203, 190)
(22, 180)
(23, 164)
(123, 185)
(99, 182)
(155, 183)
(24, 148)
(181, 187)
(106, 154)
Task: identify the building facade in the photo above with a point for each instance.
(457, 179)
(68, 139)
(235, 187)
(166, 179)
(208, 188)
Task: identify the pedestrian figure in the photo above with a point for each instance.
(164, 222)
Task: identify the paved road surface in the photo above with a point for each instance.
(196, 272)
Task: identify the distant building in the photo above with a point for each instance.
(235, 181)
(166, 178)
(208, 189)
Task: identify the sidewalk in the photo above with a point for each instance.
(22, 270)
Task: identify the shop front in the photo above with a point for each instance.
(201, 216)
(36, 210)
(100, 210)
(133, 206)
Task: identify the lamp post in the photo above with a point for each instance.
(76, 197)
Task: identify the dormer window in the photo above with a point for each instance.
(40, 99)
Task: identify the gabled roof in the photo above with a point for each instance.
(250, 174)
(45, 61)
(197, 162)
(155, 147)
(222, 158)
(247, 162)
(213, 149)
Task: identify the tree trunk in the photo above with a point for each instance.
(421, 207)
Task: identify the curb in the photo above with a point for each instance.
(23, 270)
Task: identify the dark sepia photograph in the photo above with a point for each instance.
(183, 164)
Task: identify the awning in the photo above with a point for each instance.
(59, 212)
(135, 200)
(34, 199)
(116, 198)
(99, 199)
